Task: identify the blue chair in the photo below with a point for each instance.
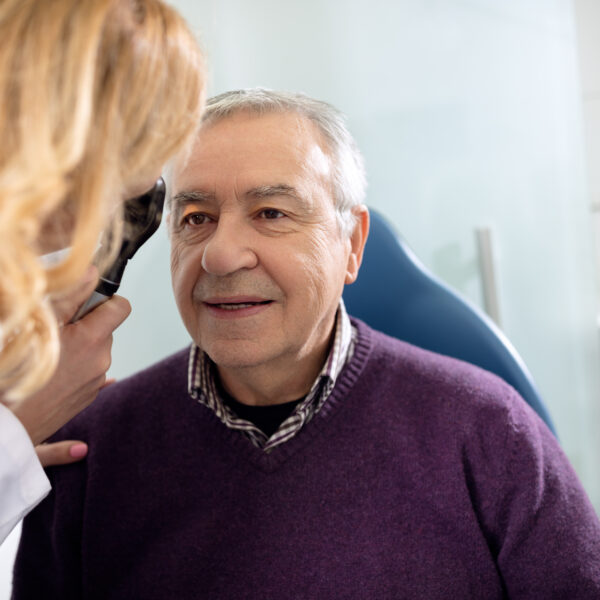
(395, 293)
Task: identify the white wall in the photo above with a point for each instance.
(588, 24)
(469, 114)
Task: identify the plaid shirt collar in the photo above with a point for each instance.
(203, 387)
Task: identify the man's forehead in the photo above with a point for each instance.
(244, 140)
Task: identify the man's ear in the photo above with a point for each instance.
(357, 242)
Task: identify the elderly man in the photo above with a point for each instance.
(294, 452)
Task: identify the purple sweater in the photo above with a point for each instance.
(422, 477)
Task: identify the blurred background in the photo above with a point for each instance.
(471, 114)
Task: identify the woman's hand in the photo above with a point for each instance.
(85, 357)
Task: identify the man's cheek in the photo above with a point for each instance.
(183, 262)
(175, 258)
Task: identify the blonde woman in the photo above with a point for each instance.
(95, 97)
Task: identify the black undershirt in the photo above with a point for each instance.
(266, 418)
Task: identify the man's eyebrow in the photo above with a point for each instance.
(191, 197)
(278, 189)
(262, 191)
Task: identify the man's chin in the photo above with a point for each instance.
(236, 354)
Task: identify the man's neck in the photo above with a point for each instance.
(269, 384)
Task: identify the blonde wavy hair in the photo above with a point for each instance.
(95, 97)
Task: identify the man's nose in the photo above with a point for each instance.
(229, 248)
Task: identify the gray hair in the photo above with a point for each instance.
(349, 178)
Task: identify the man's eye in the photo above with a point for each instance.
(271, 213)
(195, 219)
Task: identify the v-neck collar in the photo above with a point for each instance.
(270, 461)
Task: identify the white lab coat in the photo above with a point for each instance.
(23, 483)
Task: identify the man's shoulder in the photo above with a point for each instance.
(402, 359)
(455, 407)
(134, 396)
(432, 383)
(167, 375)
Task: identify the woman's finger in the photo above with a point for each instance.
(61, 453)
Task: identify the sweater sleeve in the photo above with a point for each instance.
(538, 519)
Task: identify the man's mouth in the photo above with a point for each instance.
(245, 304)
(236, 305)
